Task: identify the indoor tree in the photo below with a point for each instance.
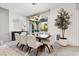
(62, 21)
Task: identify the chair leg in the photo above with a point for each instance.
(37, 52)
(29, 49)
(48, 48)
(25, 49)
(22, 46)
(52, 47)
(17, 44)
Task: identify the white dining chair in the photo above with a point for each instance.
(17, 37)
(23, 42)
(49, 42)
(33, 44)
(23, 39)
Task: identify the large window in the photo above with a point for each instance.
(39, 22)
(43, 24)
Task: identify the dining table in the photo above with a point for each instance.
(42, 39)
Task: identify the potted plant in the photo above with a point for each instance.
(35, 20)
(62, 22)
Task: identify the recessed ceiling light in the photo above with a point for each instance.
(34, 3)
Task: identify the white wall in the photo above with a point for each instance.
(77, 8)
(71, 32)
(14, 17)
(17, 22)
(4, 22)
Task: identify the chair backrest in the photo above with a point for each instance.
(23, 39)
(17, 37)
(31, 40)
(51, 39)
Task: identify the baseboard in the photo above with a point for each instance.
(74, 45)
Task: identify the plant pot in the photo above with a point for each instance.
(63, 41)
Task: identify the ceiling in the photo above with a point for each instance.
(28, 9)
